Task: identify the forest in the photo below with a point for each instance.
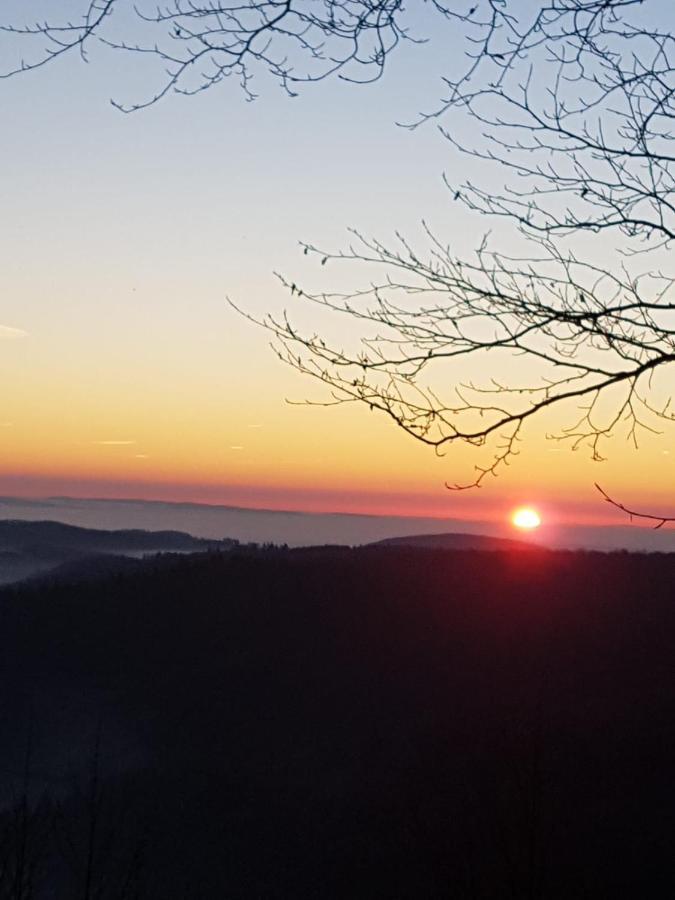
(384, 721)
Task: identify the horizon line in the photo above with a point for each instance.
(26, 500)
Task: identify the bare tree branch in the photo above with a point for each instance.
(200, 44)
(588, 331)
(660, 520)
(574, 102)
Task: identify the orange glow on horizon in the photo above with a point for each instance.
(435, 503)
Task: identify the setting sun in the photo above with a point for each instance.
(526, 518)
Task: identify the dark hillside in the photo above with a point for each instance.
(30, 549)
(22, 535)
(454, 541)
(381, 722)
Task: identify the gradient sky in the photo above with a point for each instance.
(125, 372)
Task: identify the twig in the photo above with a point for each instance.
(660, 520)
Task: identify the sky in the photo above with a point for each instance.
(127, 374)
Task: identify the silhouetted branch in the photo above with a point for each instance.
(574, 102)
(660, 520)
(200, 44)
(590, 333)
(52, 40)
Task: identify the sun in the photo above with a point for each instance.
(526, 518)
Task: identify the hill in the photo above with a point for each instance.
(342, 723)
(455, 541)
(35, 548)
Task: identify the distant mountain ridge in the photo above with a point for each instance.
(36, 548)
(455, 541)
(301, 529)
(15, 534)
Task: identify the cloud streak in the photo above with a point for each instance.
(11, 334)
(113, 443)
